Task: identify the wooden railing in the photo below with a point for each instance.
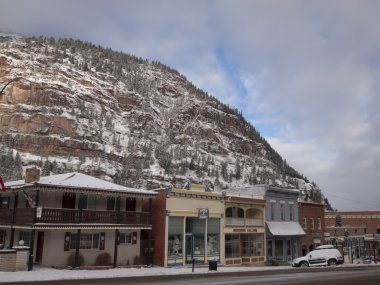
(244, 222)
(254, 222)
(27, 216)
(234, 221)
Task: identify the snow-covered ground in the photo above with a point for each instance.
(46, 273)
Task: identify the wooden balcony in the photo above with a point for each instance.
(28, 217)
(254, 222)
(234, 221)
(241, 222)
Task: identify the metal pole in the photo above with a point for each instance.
(116, 248)
(192, 250)
(15, 205)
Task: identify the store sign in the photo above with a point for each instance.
(203, 213)
(239, 230)
(236, 230)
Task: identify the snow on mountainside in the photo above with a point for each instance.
(74, 106)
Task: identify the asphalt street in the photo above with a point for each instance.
(314, 276)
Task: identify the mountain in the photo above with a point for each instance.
(73, 106)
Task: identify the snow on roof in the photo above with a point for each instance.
(78, 180)
(254, 192)
(285, 229)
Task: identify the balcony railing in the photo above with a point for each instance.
(27, 216)
(254, 222)
(234, 221)
(241, 222)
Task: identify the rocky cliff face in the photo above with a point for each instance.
(75, 106)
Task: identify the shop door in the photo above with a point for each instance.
(189, 248)
(40, 246)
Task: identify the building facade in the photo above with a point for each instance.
(244, 230)
(283, 231)
(360, 225)
(187, 226)
(311, 217)
(74, 219)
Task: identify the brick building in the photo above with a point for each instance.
(367, 219)
(312, 219)
(356, 224)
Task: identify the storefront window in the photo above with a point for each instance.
(213, 238)
(251, 244)
(257, 245)
(199, 238)
(279, 248)
(175, 240)
(232, 244)
(244, 241)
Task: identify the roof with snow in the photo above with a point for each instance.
(80, 181)
(247, 192)
(285, 229)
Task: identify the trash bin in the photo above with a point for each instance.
(213, 265)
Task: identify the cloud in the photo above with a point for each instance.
(305, 74)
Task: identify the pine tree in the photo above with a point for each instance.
(338, 221)
(17, 172)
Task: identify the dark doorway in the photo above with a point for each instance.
(68, 201)
(40, 246)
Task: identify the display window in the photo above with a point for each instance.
(175, 240)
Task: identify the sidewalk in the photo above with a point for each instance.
(46, 273)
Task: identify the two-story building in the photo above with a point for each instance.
(244, 227)
(187, 226)
(71, 219)
(283, 230)
(312, 219)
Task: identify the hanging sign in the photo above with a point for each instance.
(203, 213)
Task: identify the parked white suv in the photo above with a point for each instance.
(322, 255)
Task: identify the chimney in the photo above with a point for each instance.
(32, 175)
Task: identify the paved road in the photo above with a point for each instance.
(314, 276)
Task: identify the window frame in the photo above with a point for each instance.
(2, 200)
(304, 223)
(93, 239)
(312, 223)
(125, 238)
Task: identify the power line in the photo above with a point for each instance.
(354, 200)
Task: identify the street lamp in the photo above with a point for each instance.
(12, 80)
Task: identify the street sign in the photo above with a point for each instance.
(203, 213)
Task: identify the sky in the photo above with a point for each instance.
(304, 73)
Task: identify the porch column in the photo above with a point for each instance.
(77, 245)
(31, 250)
(116, 232)
(149, 235)
(31, 245)
(37, 198)
(77, 242)
(15, 205)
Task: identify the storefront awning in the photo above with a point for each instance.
(285, 229)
